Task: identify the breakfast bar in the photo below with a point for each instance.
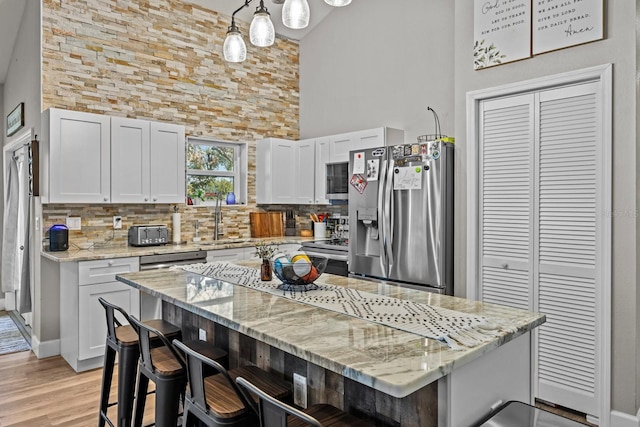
(360, 364)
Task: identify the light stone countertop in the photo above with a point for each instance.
(122, 251)
(389, 360)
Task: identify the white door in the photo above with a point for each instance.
(541, 240)
(305, 173)
(322, 158)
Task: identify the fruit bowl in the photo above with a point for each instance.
(298, 272)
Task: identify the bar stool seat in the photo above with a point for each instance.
(165, 367)
(216, 400)
(272, 412)
(123, 341)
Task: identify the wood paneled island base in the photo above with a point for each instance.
(393, 377)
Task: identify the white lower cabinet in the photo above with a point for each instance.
(226, 254)
(83, 327)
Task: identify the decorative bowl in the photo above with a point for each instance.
(298, 272)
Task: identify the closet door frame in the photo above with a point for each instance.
(601, 75)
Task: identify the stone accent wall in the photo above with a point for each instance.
(162, 60)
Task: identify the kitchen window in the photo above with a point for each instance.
(215, 169)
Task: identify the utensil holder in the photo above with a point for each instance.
(320, 230)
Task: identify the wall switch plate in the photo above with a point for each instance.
(300, 390)
(117, 222)
(202, 334)
(74, 223)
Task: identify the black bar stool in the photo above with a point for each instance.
(164, 366)
(275, 413)
(216, 400)
(123, 340)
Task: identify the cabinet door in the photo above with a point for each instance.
(130, 181)
(92, 328)
(79, 157)
(371, 138)
(305, 171)
(339, 147)
(322, 158)
(167, 168)
(284, 165)
(226, 255)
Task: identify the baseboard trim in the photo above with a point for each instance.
(45, 349)
(620, 419)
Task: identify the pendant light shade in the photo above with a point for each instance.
(295, 14)
(337, 3)
(234, 48)
(261, 32)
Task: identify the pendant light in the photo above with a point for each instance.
(337, 3)
(295, 14)
(234, 49)
(261, 32)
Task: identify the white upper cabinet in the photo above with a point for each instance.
(305, 174)
(275, 171)
(75, 157)
(340, 145)
(93, 158)
(130, 160)
(168, 167)
(322, 158)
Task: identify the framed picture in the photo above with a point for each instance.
(501, 32)
(560, 23)
(15, 119)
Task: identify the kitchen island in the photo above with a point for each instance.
(390, 375)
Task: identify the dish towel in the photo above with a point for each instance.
(452, 327)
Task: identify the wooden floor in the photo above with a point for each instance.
(48, 392)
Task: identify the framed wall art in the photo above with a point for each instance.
(15, 119)
(560, 23)
(501, 32)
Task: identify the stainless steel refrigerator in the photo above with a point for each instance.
(401, 214)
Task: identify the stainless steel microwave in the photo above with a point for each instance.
(337, 181)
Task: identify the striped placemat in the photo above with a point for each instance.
(455, 328)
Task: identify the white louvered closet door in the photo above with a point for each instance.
(506, 200)
(540, 190)
(568, 193)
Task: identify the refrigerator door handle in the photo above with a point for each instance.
(388, 218)
(381, 222)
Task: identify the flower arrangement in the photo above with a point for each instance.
(265, 250)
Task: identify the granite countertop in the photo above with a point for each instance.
(121, 251)
(387, 359)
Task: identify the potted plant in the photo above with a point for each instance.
(197, 196)
(265, 251)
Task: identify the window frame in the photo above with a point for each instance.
(239, 173)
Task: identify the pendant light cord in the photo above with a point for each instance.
(437, 120)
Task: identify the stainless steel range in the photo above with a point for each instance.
(336, 250)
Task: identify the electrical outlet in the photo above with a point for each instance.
(117, 222)
(202, 334)
(300, 390)
(74, 223)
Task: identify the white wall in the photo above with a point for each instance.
(619, 48)
(23, 84)
(373, 64)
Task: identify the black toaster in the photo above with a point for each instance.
(148, 235)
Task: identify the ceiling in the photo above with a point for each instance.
(11, 14)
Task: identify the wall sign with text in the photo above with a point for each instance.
(502, 32)
(563, 23)
(15, 119)
(510, 30)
